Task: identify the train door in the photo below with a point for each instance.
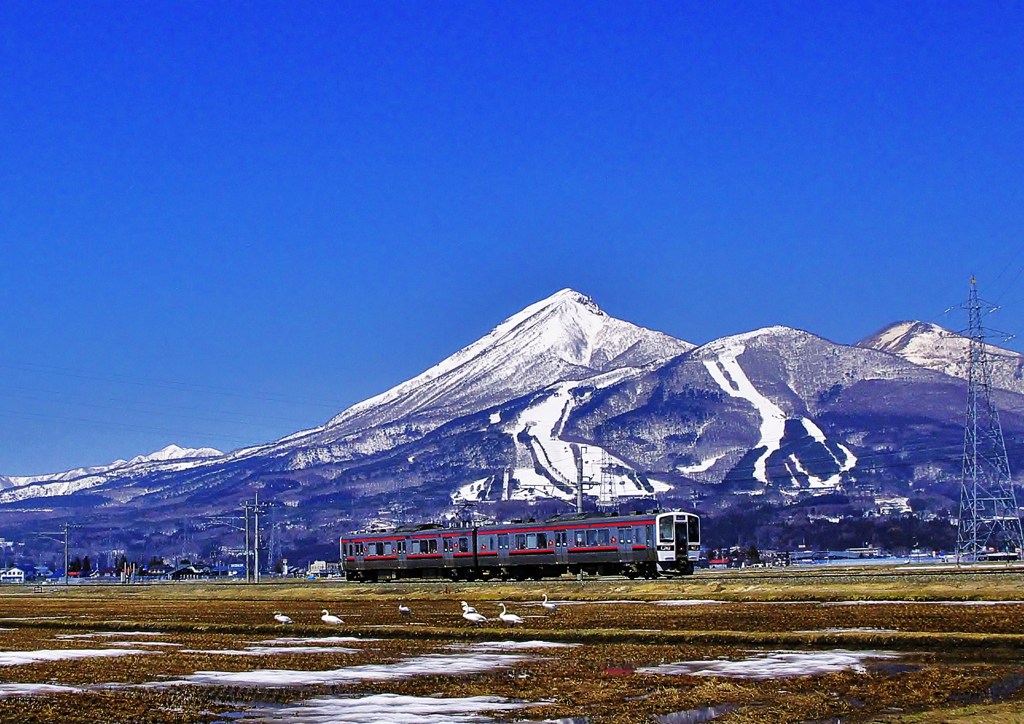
(666, 535)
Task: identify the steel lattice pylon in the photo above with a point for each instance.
(989, 519)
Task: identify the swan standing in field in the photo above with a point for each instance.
(281, 618)
(404, 610)
(466, 608)
(508, 617)
(548, 606)
(474, 617)
(328, 618)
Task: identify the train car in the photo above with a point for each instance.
(647, 545)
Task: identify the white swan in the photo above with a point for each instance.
(466, 608)
(281, 618)
(328, 618)
(474, 617)
(548, 606)
(508, 617)
(404, 610)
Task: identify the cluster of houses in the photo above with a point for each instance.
(158, 571)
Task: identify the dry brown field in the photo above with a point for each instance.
(854, 645)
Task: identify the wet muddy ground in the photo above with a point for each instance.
(860, 648)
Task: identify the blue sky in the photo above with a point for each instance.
(223, 222)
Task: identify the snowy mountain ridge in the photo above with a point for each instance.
(937, 348)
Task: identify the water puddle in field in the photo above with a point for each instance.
(272, 650)
(426, 665)
(856, 629)
(511, 646)
(774, 664)
(290, 640)
(108, 634)
(695, 716)
(392, 708)
(689, 602)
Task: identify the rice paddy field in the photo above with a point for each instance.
(851, 645)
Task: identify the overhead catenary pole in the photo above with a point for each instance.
(256, 540)
(245, 510)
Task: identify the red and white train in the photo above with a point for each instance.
(647, 545)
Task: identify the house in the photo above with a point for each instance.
(324, 568)
(12, 575)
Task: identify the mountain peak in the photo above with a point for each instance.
(565, 336)
(937, 348)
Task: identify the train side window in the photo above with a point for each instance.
(520, 542)
(603, 537)
(592, 537)
(638, 534)
(693, 529)
(463, 545)
(385, 548)
(542, 540)
(503, 540)
(432, 545)
(581, 538)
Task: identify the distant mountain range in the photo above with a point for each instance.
(776, 419)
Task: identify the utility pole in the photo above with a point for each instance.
(65, 537)
(989, 515)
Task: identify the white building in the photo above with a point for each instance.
(12, 575)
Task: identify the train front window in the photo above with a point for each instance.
(693, 525)
(665, 529)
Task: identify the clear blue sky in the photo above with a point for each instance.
(224, 222)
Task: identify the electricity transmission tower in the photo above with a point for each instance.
(989, 518)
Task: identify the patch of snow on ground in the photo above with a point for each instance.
(139, 643)
(392, 708)
(774, 664)
(921, 603)
(702, 466)
(20, 658)
(427, 665)
(688, 602)
(34, 689)
(728, 374)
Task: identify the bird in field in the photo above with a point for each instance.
(474, 617)
(508, 617)
(281, 618)
(466, 608)
(328, 618)
(404, 610)
(548, 606)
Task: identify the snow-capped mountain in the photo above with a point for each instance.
(561, 390)
(564, 337)
(939, 349)
(171, 457)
